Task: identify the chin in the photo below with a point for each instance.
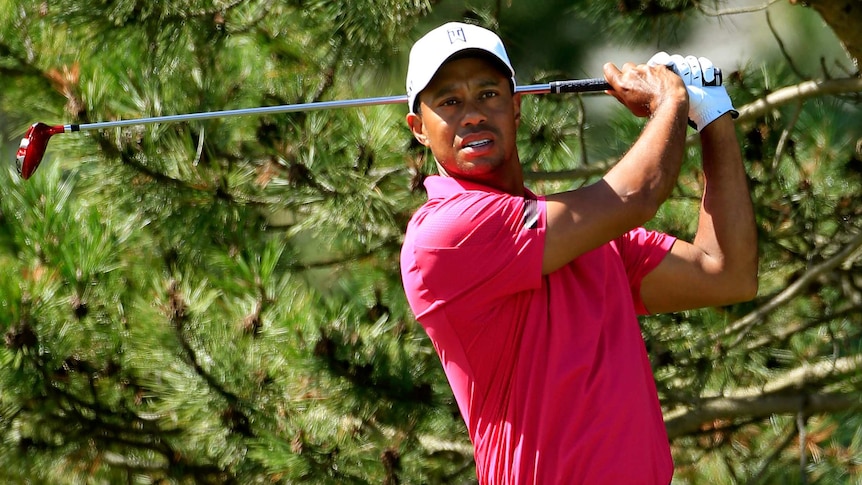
(480, 167)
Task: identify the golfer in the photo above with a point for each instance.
(531, 301)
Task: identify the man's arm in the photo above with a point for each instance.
(720, 266)
(631, 192)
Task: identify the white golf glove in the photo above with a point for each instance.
(707, 98)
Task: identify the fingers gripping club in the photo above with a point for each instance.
(708, 98)
(694, 71)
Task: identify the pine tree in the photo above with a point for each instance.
(213, 302)
(219, 301)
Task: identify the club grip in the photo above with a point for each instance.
(579, 86)
(599, 84)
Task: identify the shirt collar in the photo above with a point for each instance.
(439, 187)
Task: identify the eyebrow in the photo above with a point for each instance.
(447, 88)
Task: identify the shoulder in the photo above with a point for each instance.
(469, 217)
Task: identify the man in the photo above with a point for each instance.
(531, 301)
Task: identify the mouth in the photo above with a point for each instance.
(475, 144)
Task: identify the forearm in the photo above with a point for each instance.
(726, 230)
(648, 172)
(583, 219)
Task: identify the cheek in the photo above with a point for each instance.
(440, 134)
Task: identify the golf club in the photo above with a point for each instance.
(35, 141)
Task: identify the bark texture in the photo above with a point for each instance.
(844, 17)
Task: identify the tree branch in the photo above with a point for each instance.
(804, 90)
(713, 12)
(691, 421)
(787, 331)
(790, 434)
(593, 170)
(744, 324)
(789, 393)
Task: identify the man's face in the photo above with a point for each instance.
(468, 117)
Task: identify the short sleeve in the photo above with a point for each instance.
(480, 245)
(641, 251)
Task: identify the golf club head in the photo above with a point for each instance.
(33, 146)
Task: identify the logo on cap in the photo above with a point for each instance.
(456, 35)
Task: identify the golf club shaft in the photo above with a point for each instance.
(554, 87)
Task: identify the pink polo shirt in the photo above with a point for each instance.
(550, 372)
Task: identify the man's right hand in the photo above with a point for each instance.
(643, 88)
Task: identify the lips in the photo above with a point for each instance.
(478, 142)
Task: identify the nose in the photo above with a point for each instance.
(473, 113)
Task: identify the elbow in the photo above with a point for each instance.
(749, 279)
(640, 200)
(743, 287)
(735, 291)
(644, 207)
(734, 283)
(748, 288)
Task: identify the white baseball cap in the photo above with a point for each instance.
(439, 45)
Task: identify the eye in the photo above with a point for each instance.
(449, 102)
(489, 93)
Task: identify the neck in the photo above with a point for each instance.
(510, 182)
(514, 188)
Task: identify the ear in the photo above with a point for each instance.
(516, 108)
(416, 125)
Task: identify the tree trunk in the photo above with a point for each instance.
(844, 18)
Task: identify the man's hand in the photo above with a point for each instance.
(643, 89)
(706, 102)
